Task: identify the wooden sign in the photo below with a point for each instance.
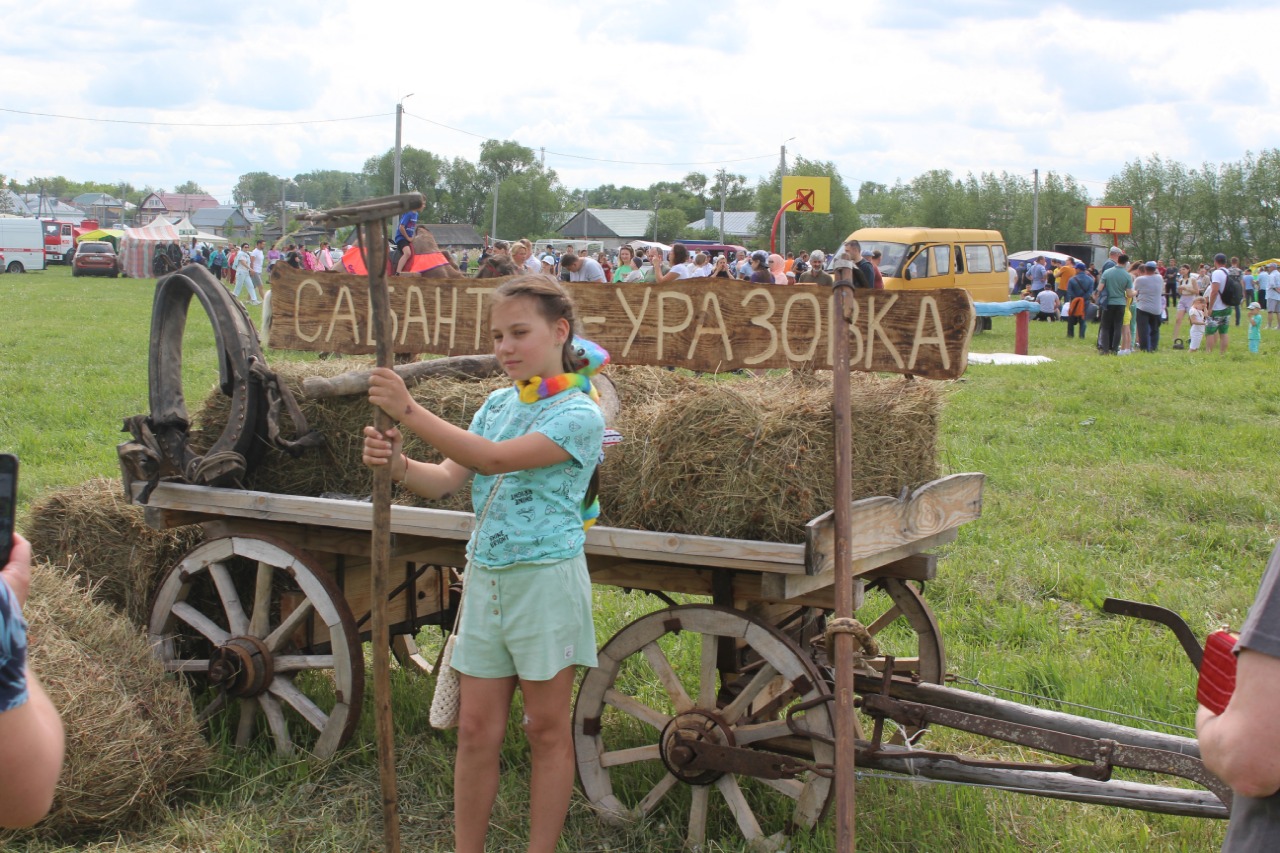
(701, 324)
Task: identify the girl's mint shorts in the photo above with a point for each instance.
(526, 620)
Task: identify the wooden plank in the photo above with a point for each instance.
(701, 324)
(788, 587)
(883, 524)
(449, 524)
(917, 567)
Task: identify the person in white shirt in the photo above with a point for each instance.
(256, 258)
(1047, 298)
(680, 266)
(702, 266)
(522, 257)
(1269, 283)
(244, 276)
(581, 269)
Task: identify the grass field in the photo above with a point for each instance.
(1144, 477)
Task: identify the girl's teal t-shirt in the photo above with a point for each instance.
(536, 516)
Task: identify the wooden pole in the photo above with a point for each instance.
(373, 237)
(846, 837)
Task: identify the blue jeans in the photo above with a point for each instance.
(1148, 331)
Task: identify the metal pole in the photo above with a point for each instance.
(846, 798)
(375, 245)
(1035, 210)
(284, 210)
(782, 228)
(584, 219)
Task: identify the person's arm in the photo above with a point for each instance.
(472, 452)
(31, 736)
(1241, 746)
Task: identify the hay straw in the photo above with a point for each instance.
(93, 529)
(132, 738)
(743, 458)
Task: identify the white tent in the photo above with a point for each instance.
(186, 231)
(1026, 257)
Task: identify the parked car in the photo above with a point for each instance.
(95, 258)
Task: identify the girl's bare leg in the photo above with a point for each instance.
(549, 727)
(482, 725)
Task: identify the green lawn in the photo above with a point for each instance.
(1149, 477)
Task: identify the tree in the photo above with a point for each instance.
(463, 196)
(189, 188)
(808, 231)
(6, 205)
(261, 188)
(501, 160)
(420, 171)
(671, 224)
(325, 188)
(530, 202)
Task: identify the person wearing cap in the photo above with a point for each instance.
(1037, 274)
(1270, 285)
(1113, 290)
(1079, 292)
(1215, 328)
(1149, 302)
(815, 274)
(760, 268)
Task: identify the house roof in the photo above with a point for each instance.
(216, 217)
(455, 235)
(183, 201)
(739, 224)
(608, 222)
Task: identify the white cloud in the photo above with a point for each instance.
(886, 91)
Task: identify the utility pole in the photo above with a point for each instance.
(782, 225)
(723, 182)
(542, 158)
(395, 180)
(494, 230)
(284, 209)
(584, 218)
(655, 218)
(1035, 210)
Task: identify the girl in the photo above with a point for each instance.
(526, 612)
(776, 269)
(1255, 326)
(1186, 292)
(626, 264)
(760, 268)
(1197, 314)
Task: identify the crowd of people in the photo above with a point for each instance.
(1130, 300)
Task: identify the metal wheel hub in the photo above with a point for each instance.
(242, 666)
(697, 726)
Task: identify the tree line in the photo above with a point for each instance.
(1178, 211)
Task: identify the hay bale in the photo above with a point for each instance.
(92, 529)
(744, 458)
(132, 737)
(754, 459)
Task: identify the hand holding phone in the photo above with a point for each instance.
(8, 503)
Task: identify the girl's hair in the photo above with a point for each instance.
(626, 249)
(553, 302)
(679, 253)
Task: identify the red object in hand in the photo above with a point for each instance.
(1217, 672)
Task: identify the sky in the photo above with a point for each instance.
(632, 93)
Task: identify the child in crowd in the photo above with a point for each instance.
(1255, 326)
(531, 454)
(1197, 314)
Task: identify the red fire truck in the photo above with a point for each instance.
(59, 241)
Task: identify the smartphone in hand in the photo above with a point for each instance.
(8, 502)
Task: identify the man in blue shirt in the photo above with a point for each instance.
(404, 236)
(1036, 275)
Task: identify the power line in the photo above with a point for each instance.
(599, 159)
(194, 123)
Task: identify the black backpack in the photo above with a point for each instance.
(1233, 291)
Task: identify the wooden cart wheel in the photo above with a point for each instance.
(896, 614)
(658, 676)
(254, 623)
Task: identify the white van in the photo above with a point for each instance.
(21, 243)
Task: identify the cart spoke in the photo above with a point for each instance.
(747, 823)
(627, 705)
(662, 668)
(219, 702)
(244, 729)
(792, 788)
(707, 674)
(201, 665)
(293, 663)
(631, 756)
(261, 618)
(237, 621)
(734, 710)
(655, 794)
(884, 620)
(201, 623)
(698, 802)
(744, 735)
(284, 688)
(281, 635)
(279, 728)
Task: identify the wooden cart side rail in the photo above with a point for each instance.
(196, 503)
